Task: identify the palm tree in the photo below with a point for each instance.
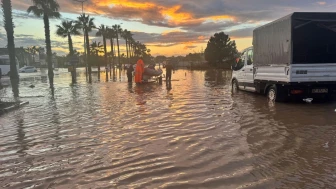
(66, 29)
(127, 36)
(9, 27)
(118, 31)
(130, 43)
(32, 51)
(87, 24)
(111, 35)
(96, 48)
(47, 9)
(104, 31)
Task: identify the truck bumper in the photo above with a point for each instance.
(311, 90)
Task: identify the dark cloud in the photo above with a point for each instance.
(209, 27)
(170, 39)
(241, 33)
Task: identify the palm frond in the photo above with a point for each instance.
(54, 15)
(61, 31)
(35, 10)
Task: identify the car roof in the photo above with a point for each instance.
(4, 56)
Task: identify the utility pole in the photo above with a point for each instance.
(86, 63)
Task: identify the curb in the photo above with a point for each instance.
(13, 107)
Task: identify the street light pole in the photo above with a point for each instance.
(86, 63)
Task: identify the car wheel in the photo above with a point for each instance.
(276, 94)
(235, 86)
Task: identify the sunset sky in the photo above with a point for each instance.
(167, 27)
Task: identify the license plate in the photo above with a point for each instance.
(320, 91)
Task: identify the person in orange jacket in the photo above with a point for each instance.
(139, 70)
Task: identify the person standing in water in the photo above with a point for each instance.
(169, 69)
(139, 70)
(130, 70)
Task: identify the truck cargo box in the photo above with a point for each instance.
(299, 38)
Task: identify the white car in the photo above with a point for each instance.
(27, 69)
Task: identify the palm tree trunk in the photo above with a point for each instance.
(130, 49)
(9, 26)
(71, 51)
(105, 55)
(118, 51)
(49, 53)
(88, 55)
(98, 62)
(112, 52)
(34, 59)
(127, 51)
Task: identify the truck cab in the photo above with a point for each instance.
(242, 76)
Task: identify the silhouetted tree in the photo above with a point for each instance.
(118, 31)
(87, 24)
(97, 48)
(104, 31)
(220, 50)
(47, 9)
(66, 29)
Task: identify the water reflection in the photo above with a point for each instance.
(19, 122)
(288, 141)
(193, 134)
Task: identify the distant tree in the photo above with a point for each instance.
(194, 57)
(160, 59)
(118, 31)
(32, 51)
(220, 51)
(111, 35)
(9, 27)
(97, 48)
(48, 9)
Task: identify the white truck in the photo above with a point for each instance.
(293, 57)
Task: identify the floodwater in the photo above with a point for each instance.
(195, 135)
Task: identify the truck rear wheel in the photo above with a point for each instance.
(272, 93)
(276, 94)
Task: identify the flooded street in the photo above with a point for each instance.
(195, 135)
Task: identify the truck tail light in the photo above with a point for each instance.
(296, 91)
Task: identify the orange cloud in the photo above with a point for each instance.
(223, 17)
(321, 3)
(151, 13)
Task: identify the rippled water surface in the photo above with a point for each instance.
(195, 135)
